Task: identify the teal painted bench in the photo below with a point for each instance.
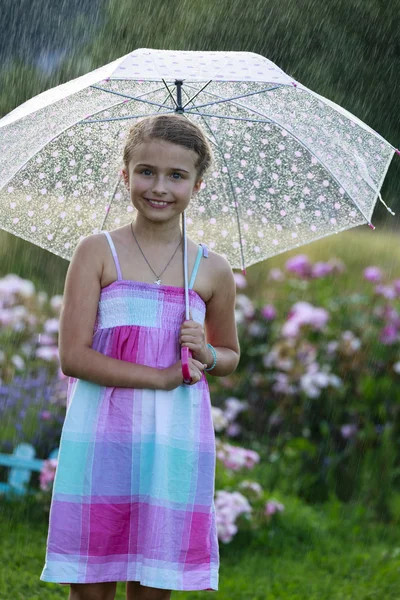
(21, 464)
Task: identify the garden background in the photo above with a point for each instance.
(308, 428)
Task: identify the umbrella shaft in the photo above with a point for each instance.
(179, 108)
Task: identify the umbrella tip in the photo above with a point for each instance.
(397, 151)
(370, 225)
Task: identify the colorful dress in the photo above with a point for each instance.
(133, 495)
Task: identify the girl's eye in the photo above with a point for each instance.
(179, 175)
(145, 171)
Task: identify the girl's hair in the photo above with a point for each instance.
(170, 128)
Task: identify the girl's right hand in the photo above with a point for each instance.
(173, 375)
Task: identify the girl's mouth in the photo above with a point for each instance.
(157, 203)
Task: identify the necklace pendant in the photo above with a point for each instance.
(158, 281)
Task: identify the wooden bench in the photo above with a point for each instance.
(21, 464)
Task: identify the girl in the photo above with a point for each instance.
(133, 493)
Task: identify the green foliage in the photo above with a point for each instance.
(341, 440)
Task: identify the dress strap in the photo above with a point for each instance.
(115, 255)
(202, 251)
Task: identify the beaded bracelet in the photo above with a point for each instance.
(214, 353)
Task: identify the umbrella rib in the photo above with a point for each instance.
(195, 96)
(236, 97)
(236, 204)
(169, 92)
(137, 98)
(112, 198)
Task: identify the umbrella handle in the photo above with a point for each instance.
(185, 355)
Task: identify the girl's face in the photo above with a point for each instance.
(162, 179)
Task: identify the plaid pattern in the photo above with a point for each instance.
(133, 496)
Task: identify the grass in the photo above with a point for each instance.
(331, 552)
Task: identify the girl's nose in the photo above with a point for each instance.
(159, 186)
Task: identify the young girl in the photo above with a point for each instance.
(133, 493)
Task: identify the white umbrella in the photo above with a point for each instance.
(290, 165)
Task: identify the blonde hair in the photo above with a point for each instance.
(174, 129)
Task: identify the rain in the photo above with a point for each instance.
(307, 488)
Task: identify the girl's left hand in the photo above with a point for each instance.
(192, 335)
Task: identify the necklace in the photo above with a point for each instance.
(158, 280)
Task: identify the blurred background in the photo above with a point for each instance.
(308, 428)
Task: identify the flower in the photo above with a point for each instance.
(235, 457)
(233, 429)
(389, 335)
(47, 474)
(45, 415)
(396, 367)
(245, 305)
(373, 274)
(312, 382)
(303, 313)
(240, 280)
(272, 507)
(320, 269)
(254, 487)
(18, 362)
(56, 303)
(233, 407)
(48, 353)
(219, 419)
(276, 275)
(51, 326)
(348, 431)
(386, 291)
(268, 312)
(299, 265)
(228, 506)
(396, 286)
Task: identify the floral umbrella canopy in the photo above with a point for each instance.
(290, 165)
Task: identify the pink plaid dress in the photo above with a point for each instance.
(133, 495)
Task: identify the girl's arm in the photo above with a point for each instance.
(220, 322)
(78, 314)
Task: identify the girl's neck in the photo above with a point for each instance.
(158, 234)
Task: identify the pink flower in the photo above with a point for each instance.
(303, 313)
(45, 339)
(47, 474)
(240, 280)
(396, 286)
(228, 506)
(300, 265)
(321, 269)
(386, 291)
(373, 274)
(276, 275)
(268, 312)
(272, 506)
(45, 415)
(389, 335)
(236, 458)
(233, 430)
